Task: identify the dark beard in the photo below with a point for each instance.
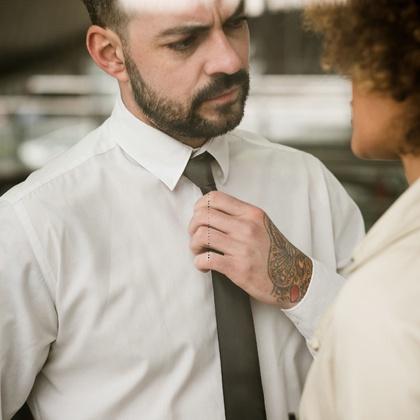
(170, 117)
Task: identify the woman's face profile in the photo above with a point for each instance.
(378, 124)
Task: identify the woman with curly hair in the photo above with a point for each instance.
(367, 348)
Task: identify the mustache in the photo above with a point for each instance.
(221, 84)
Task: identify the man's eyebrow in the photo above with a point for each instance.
(184, 30)
(197, 28)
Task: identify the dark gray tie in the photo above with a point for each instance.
(242, 388)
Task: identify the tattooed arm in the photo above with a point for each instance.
(289, 270)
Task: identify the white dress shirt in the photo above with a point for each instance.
(368, 343)
(102, 312)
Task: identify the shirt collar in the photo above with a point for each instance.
(218, 147)
(400, 220)
(160, 154)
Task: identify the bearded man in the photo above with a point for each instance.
(125, 293)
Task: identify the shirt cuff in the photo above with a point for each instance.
(323, 288)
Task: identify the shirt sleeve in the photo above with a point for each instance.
(28, 321)
(347, 230)
(323, 288)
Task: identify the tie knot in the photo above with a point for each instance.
(198, 171)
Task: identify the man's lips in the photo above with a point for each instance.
(226, 96)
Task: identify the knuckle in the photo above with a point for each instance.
(200, 205)
(255, 214)
(199, 263)
(192, 226)
(202, 233)
(259, 214)
(194, 244)
(197, 206)
(201, 214)
(214, 194)
(249, 229)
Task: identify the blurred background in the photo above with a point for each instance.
(51, 94)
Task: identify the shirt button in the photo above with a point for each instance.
(314, 344)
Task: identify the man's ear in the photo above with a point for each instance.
(105, 48)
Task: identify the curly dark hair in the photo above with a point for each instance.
(105, 13)
(377, 44)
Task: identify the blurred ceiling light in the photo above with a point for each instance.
(169, 6)
(253, 7)
(257, 7)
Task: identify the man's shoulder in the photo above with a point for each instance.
(259, 142)
(247, 141)
(61, 167)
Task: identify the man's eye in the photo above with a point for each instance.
(237, 23)
(183, 45)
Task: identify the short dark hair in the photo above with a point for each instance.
(376, 43)
(106, 13)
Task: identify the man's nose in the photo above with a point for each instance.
(222, 56)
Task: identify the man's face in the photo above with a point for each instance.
(189, 68)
